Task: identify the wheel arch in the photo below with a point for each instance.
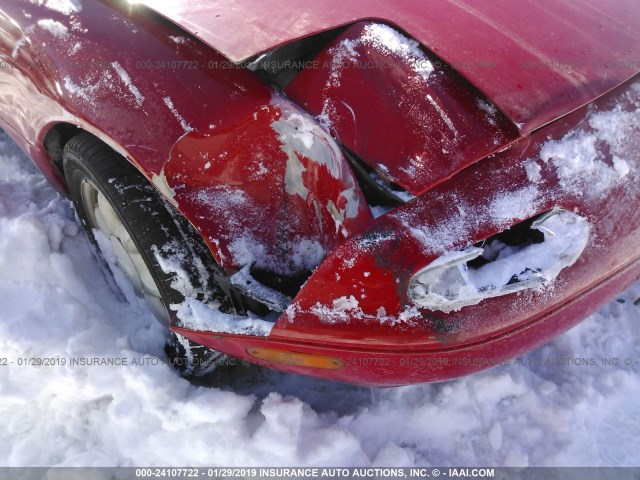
(56, 135)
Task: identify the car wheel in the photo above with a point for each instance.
(129, 222)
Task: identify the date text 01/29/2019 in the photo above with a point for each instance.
(311, 472)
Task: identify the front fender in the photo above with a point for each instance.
(195, 125)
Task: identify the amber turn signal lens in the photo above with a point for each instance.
(307, 360)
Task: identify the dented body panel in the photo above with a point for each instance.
(381, 365)
(412, 122)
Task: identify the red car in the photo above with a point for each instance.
(381, 193)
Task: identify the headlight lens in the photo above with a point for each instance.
(450, 282)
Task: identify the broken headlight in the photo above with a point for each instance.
(500, 266)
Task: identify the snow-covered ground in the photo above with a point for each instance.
(55, 302)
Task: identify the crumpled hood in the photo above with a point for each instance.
(534, 59)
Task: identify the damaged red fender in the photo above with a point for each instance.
(274, 191)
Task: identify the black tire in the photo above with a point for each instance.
(156, 229)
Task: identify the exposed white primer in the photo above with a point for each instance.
(300, 135)
(183, 123)
(126, 79)
(160, 182)
(195, 315)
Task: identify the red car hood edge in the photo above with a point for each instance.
(535, 60)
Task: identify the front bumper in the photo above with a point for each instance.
(355, 307)
(387, 367)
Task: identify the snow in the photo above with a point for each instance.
(578, 158)
(183, 123)
(340, 311)
(399, 194)
(173, 264)
(381, 38)
(553, 407)
(195, 315)
(447, 284)
(66, 7)
(124, 76)
(88, 89)
(577, 161)
(247, 250)
(56, 29)
(385, 38)
(22, 41)
(521, 203)
(53, 27)
(533, 171)
(343, 309)
(273, 299)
